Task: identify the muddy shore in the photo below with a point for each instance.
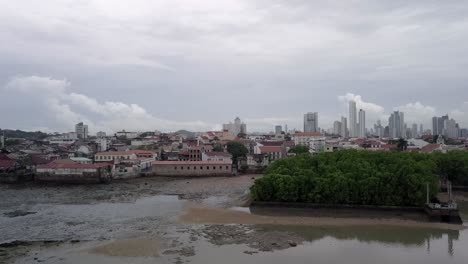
(168, 217)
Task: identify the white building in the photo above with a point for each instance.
(311, 122)
(278, 129)
(451, 129)
(235, 128)
(352, 119)
(337, 128)
(126, 134)
(362, 124)
(216, 156)
(103, 144)
(314, 140)
(81, 130)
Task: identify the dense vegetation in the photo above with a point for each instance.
(22, 134)
(237, 150)
(350, 177)
(452, 166)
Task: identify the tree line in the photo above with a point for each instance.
(360, 177)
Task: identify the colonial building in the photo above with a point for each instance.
(192, 168)
(59, 171)
(217, 156)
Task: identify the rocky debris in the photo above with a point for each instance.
(17, 213)
(254, 237)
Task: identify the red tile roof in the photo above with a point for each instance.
(430, 148)
(55, 165)
(266, 149)
(6, 164)
(129, 152)
(308, 134)
(176, 162)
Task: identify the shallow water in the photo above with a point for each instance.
(326, 244)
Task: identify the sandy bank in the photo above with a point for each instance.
(205, 215)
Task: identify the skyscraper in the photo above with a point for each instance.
(438, 125)
(362, 123)
(236, 127)
(278, 129)
(337, 128)
(311, 122)
(452, 129)
(344, 127)
(414, 131)
(81, 130)
(396, 125)
(379, 129)
(352, 119)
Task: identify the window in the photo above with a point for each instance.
(227, 167)
(214, 168)
(201, 167)
(194, 167)
(207, 167)
(175, 167)
(220, 167)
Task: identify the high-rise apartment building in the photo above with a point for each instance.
(81, 130)
(362, 124)
(311, 122)
(344, 127)
(352, 119)
(396, 125)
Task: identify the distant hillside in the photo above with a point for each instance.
(186, 133)
(22, 134)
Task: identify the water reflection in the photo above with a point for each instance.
(387, 235)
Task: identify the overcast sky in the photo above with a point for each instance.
(166, 65)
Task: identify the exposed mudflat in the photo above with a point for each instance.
(187, 220)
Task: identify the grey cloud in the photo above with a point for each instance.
(268, 60)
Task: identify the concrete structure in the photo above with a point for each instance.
(362, 124)
(396, 124)
(123, 155)
(273, 152)
(217, 156)
(82, 160)
(438, 125)
(81, 130)
(127, 134)
(353, 131)
(337, 128)
(311, 122)
(344, 127)
(414, 130)
(192, 168)
(103, 144)
(101, 134)
(73, 172)
(235, 128)
(451, 129)
(379, 129)
(278, 129)
(314, 140)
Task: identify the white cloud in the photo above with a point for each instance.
(374, 111)
(68, 108)
(417, 113)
